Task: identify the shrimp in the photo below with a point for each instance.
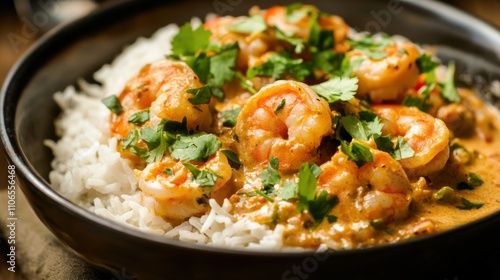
(301, 27)
(389, 78)
(376, 191)
(427, 136)
(162, 87)
(251, 46)
(177, 195)
(286, 120)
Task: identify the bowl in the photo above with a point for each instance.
(79, 48)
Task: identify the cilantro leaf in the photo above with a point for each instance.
(348, 66)
(155, 141)
(337, 89)
(204, 178)
(230, 117)
(294, 12)
(139, 117)
(449, 91)
(362, 129)
(371, 43)
(131, 140)
(253, 24)
(399, 151)
(271, 176)
(307, 185)
(222, 64)
(402, 149)
(322, 205)
(426, 63)
(357, 152)
(414, 101)
(188, 41)
(320, 40)
(200, 63)
(175, 127)
(297, 43)
(169, 171)
(468, 205)
(328, 61)
(196, 147)
(232, 157)
(280, 63)
(113, 104)
(289, 189)
(280, 106)
(201, 95)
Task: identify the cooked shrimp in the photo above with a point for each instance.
(388, 78)
(250, 45)
(162, 87)
(177, 195)
(286, 120)
(376, 191)
(427, 136)
(277, 16)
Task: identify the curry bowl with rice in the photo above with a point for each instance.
(281, 134)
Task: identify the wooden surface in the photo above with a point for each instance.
(489, 10)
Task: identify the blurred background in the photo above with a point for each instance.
(14, 15)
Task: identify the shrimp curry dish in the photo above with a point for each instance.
(341, 138)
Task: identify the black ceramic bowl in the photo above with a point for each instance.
(80, 48)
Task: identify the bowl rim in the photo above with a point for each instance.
(17, 157)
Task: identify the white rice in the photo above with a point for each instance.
(88, 170)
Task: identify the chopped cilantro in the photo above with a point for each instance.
(320, 40)
(222, 64)
(139, 117)
(307, 185)
(328, 61)
(271, 176)
(113, 104)
(318, 205)
(364, 129)
(399, 151)
(202, 95)
(415, 101)
(449, 92)
(357, 152)
(189, 41)
(348, 66)
(253, 24)
(280, 63)
(196, 147)
(337, 89)
(468, 205)
(473, 181)
(402, 149)
(370, 43)
(246, 83)
(232, 156)
(155, 140)
(280, 106)
(230, 117)
(204, 178)
(426, 63)
(297, 43)
(289, 190)
(175, 127)
(265, 195)
(131, 140)
(294, 12)
(169, 171)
